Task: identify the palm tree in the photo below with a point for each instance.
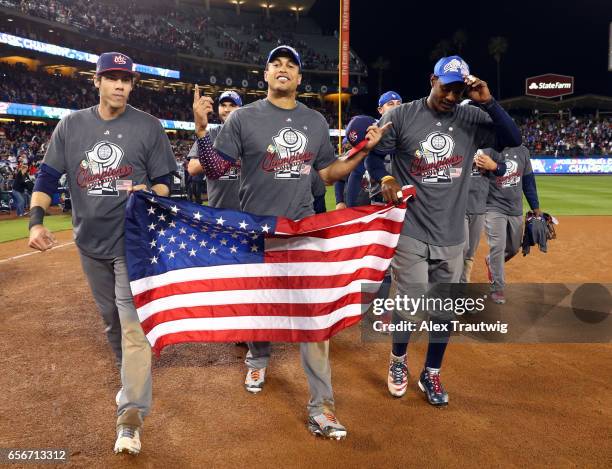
(381, 64)
(459, 40)
(498, 46)
(441, 50)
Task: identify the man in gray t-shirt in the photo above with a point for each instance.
(478, 183)
(433, 141)
(280, 142)
(222, 192)
(106, 152)
(504, 214)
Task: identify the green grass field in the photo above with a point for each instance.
(559, 195)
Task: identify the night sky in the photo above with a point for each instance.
(556, 36)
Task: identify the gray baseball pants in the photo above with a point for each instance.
(110, 287)
(504, 236)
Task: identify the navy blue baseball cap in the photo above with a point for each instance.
(356, 132)
(110, 61)
(231, 96)
(287, 51)
(388, 96)
(451, 69)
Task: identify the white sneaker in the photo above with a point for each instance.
(128, 440)
(255, 379)
(397, 379)
(118, 396)
(327, 425)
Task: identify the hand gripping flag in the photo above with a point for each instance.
(200, 274)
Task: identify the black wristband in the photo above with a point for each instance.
(37, 214)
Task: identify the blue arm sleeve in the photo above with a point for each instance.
(507, 132)
(501, 168)
(530, 190)
(165, 180)
(375, 164)
(354, 185)
(47, 180)
(339, 190)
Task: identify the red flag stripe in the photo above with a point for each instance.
(390, 226)
(340, 255)
(255, 335)
(257, 309)
(254, 283)
(339, 217)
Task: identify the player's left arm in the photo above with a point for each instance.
(507, 133)
(529, 187)
(160, 163)
(342, 167)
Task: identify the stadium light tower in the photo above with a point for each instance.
(266, 6)
(237, 3)
(297, 10)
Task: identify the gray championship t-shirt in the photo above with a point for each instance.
(278, 150)
(506, 192)
(479, 187)
(222, 192)
(434, 152)
(94, 154)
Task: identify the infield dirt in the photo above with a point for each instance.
(510, 405)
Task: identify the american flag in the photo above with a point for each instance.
(200, 274)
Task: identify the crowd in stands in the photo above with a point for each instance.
(575, 136)
(186, 29)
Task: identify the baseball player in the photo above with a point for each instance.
(504, 214)
(107, 151)
(355, 193)
(475, 211)
(222, 192)
(433, 141)
(279, 142)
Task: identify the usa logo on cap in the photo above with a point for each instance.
(119, 59)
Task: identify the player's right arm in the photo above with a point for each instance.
(51, 169)
(375, 161)
(213, 162)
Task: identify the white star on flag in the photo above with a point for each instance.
(233, 249)
(224, 241)
(243, 225)
(220, 221)
(154, 260)
(197, 216)
(192, 237)
(203, 243)
(161, 217)
(254, 248)
(213, 250)
(172, 224)
(174, 209)
(182, 230)
(151, 226)
(265, 228)
(171, 254)
(162, 232)
(151, 211)
(153, 243)
(162, 248)
(192, 252)
(172, 239)
(182, 245)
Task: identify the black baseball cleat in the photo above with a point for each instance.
(430, 384)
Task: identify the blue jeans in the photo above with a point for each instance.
(19, 202)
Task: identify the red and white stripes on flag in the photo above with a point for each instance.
(307, 289)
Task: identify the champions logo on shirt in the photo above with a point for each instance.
(511, 177)
(286, 156)
(101, 168)
(435, 161)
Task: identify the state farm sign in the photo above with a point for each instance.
(549, 85)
